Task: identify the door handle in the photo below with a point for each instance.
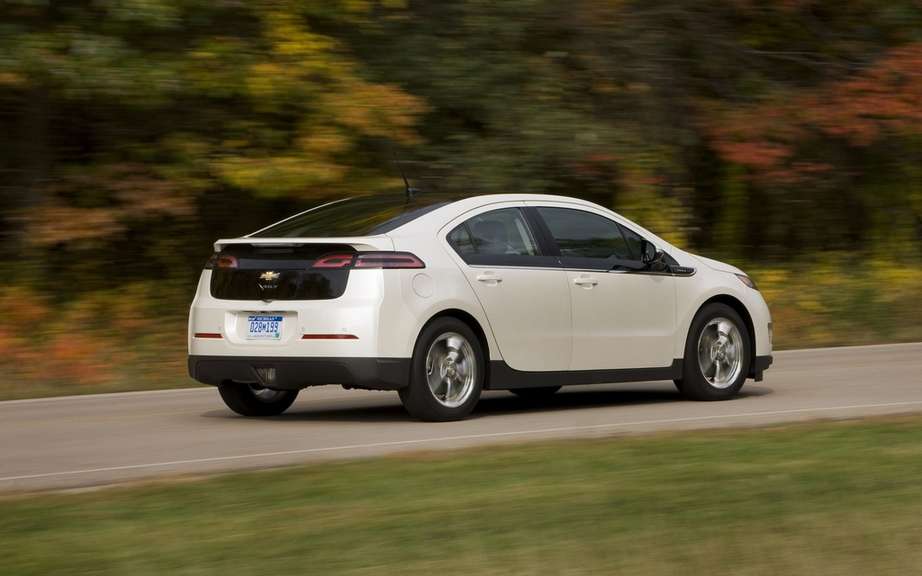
(489, 278)
(585, 281)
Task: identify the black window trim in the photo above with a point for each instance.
(542, 233)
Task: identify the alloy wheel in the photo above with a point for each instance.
(451, 369)
(720, 353)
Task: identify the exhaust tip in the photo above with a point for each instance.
(267, 376)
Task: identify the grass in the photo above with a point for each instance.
(829, 498)
(18, 390)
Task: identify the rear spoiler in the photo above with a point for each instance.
(360, 243)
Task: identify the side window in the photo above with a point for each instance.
(499, 237)
(584, 235)
(460, 240)
(633, 240)
(502, 232)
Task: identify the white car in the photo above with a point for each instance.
(441, 298)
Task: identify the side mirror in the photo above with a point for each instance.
(650, 256)
(648, 253)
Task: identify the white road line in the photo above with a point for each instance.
(395, 443)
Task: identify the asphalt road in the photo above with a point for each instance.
(81, 441)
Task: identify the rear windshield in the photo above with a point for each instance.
(358, 216)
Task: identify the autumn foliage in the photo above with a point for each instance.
(774, 138)
(778, 134)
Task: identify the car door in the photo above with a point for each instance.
(524, 292)
(623, 316)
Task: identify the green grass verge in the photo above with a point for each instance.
(16, 391)
(828, 498)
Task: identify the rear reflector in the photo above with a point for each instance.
(207, 335)
(329, 337)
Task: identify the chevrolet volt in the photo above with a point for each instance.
(441, 298)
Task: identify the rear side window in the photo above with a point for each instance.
(580, 234)
(498, 238)
(460, 239)
(501, 232)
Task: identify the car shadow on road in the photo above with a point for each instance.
(588, 398)
(388, 409)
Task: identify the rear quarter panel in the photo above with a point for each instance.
(439, 287)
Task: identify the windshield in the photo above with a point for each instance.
(358, 216)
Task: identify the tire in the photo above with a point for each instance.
(718, 352)
(541, 393)
(447, 372)
(253, 400)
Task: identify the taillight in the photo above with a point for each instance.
(388, 260)
(366, 260)
(220, 261)
(333, 261)
(225, 261)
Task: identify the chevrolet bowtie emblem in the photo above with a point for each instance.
(269, 276)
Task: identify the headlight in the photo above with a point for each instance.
(747, 281)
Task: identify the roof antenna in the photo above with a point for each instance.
(411, 191)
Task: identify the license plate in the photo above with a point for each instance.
(264, 327)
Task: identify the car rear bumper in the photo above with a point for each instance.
(284, 373)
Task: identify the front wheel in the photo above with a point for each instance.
(717, 355)
(254, 400)
(448, 368)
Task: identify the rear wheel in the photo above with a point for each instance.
(536, 393)
(255, 400)
(717, 355)
(447, 372)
